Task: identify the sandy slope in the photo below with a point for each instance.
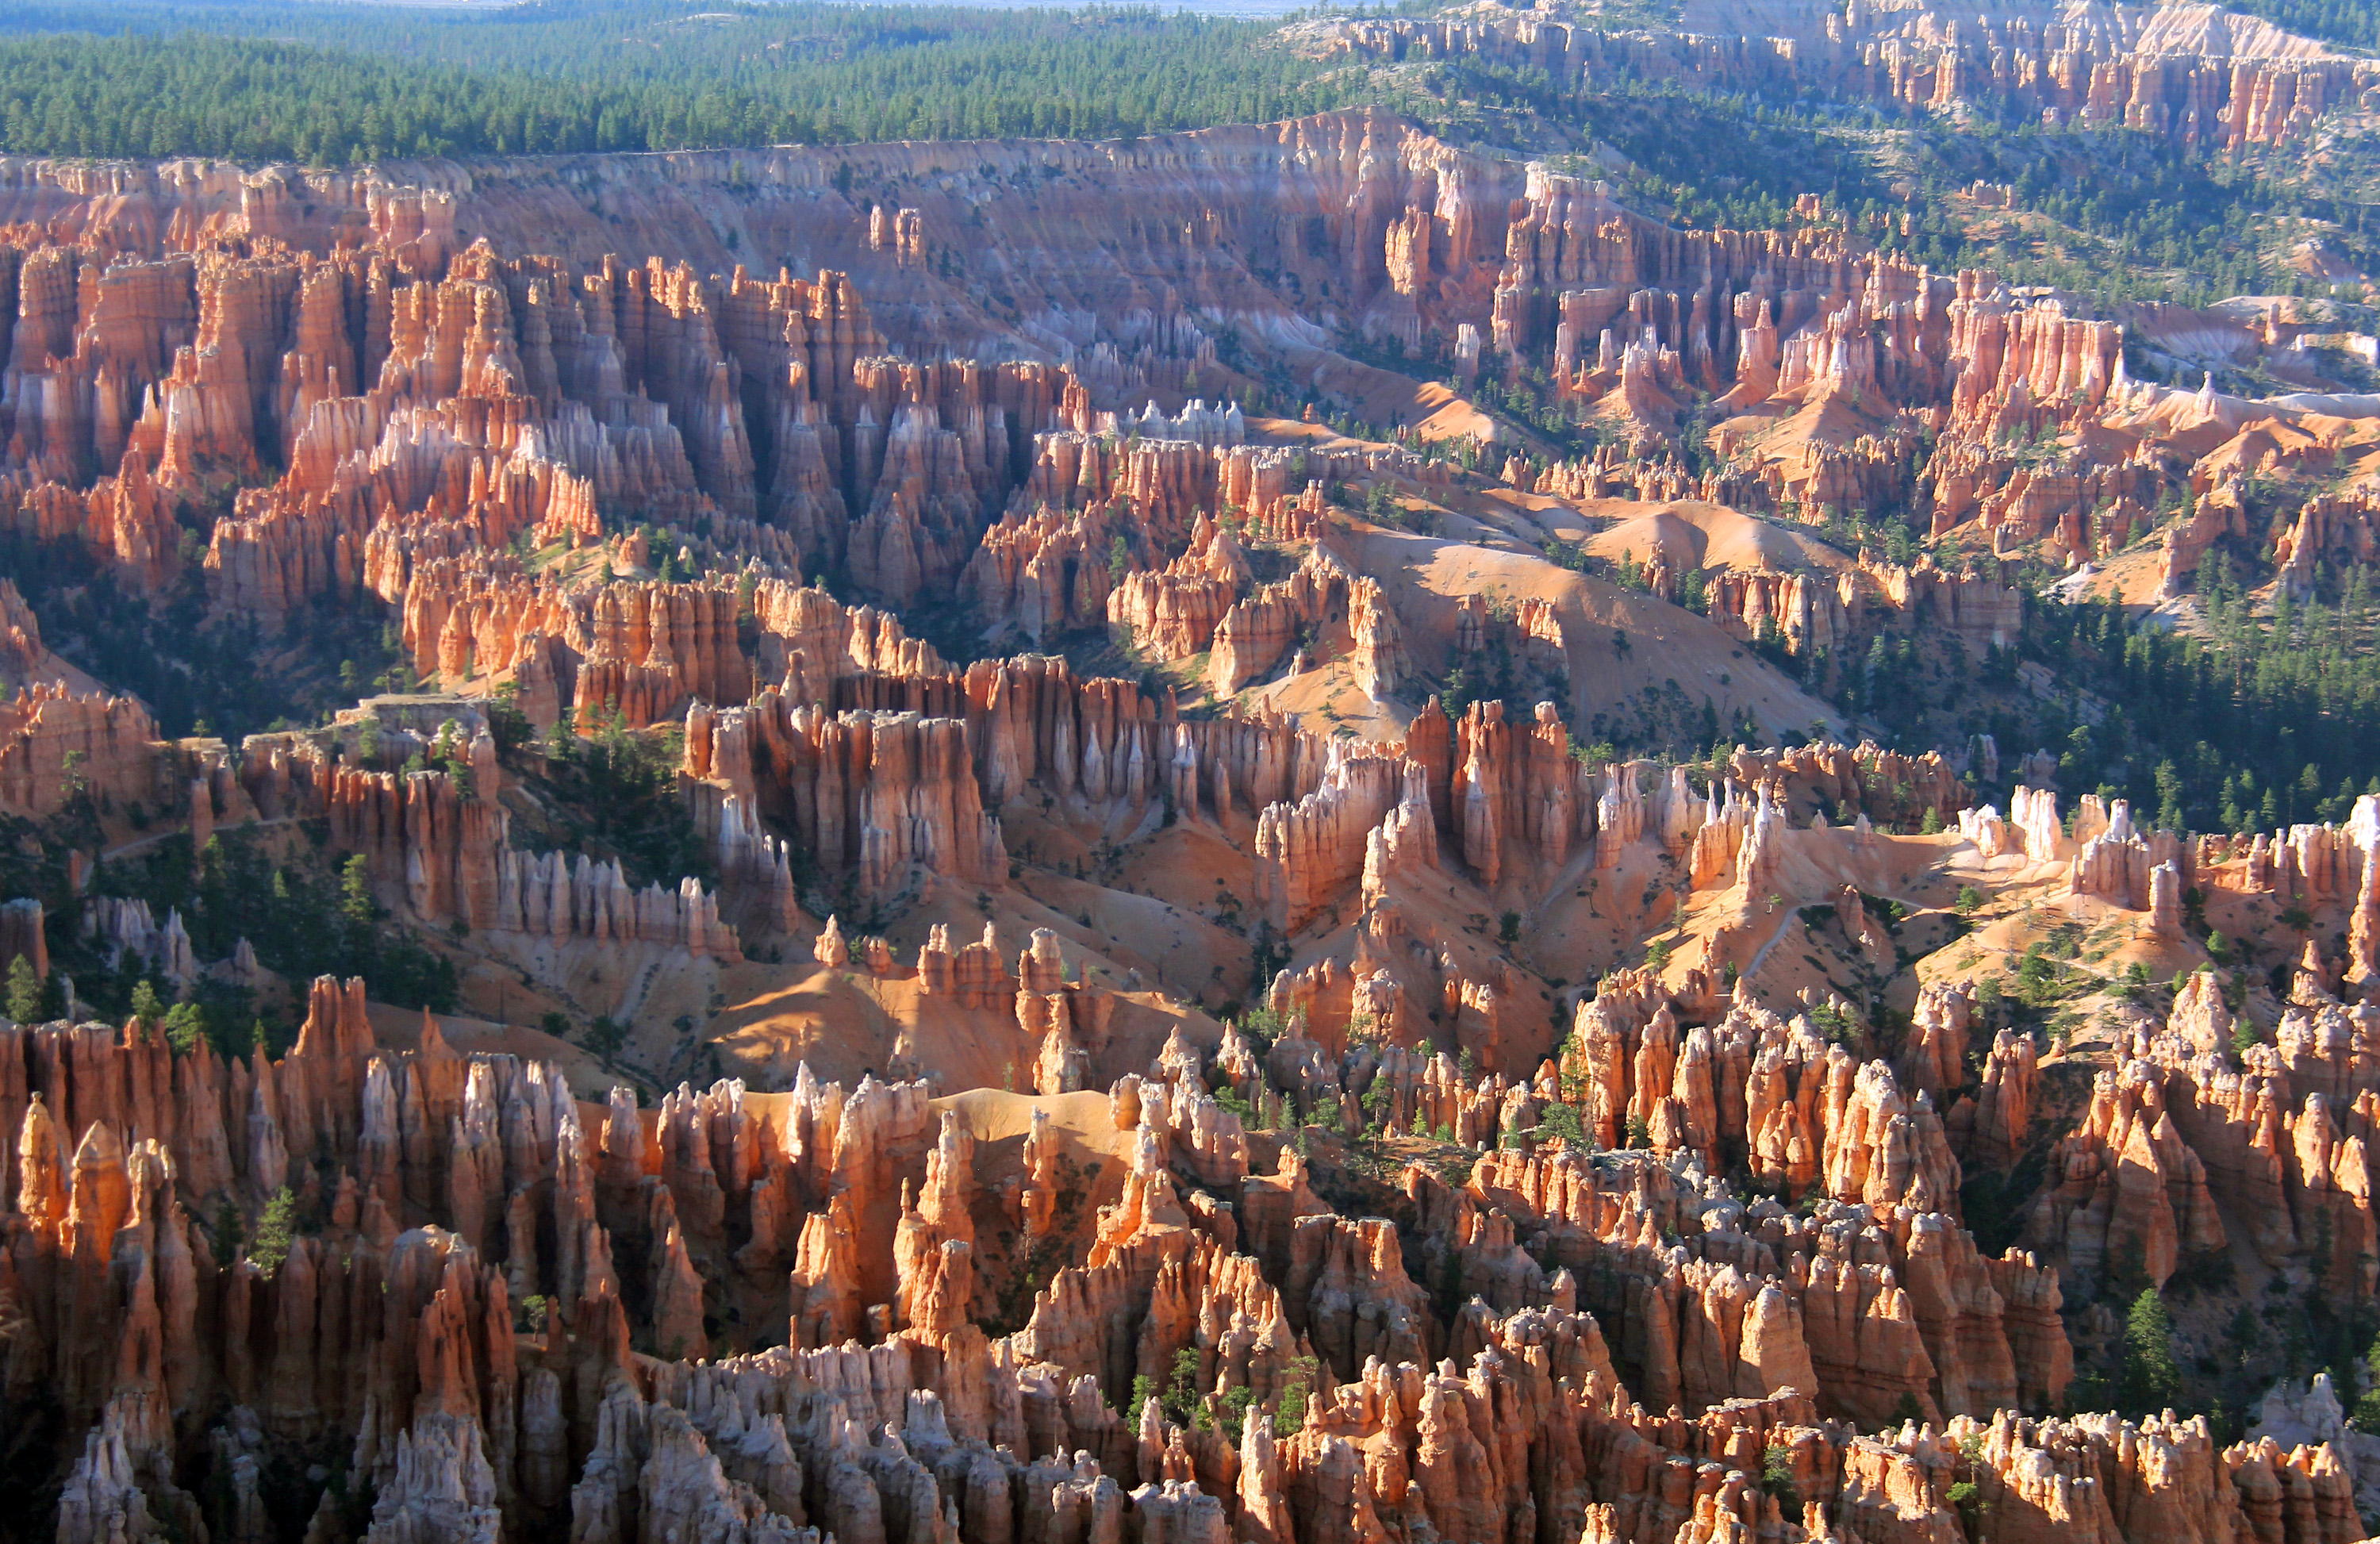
(1429, 576)
(1692, 534)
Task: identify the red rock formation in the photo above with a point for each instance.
(1751, 1324)
(21, 652)
(438, 852)
(418, 401)
(1516, 790)
(1842, 782)
(640, 650)
(23, 935)
(807, 640)
(1992, 1130)
(1254, 634)
(2248, 82)
(1805, 1112)
(891, 796)
(1172, 612)
(1042, 574)
(434, 404)
(1930, 1322)
(54, 740)
(1307, 850)
(2129, 1194)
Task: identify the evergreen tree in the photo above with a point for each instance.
(185, 1024)
(1777, 1480)
(26, 991)
(2152, 1377)
(357, 913)
(1181, 1396)
(553, 78)
(274, 1229)
(2367, 1409)
(1297, 1387)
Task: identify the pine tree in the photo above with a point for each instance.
(1181, 1396)
(1777, 1480)
(25, 991)
(1298, 1391)
(274, 1229)
(2151, 1378)
(186, 1025)
(356, 911)
(2367, 1409)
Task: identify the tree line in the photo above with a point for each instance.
(334, 84)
